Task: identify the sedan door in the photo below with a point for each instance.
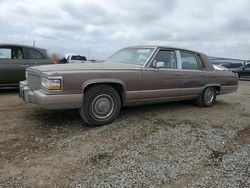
(12, 66)
(164, 82)
(193, 77)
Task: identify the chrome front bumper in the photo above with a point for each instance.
(58, 101)
(24, 92)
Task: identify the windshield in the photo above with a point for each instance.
(134, 56)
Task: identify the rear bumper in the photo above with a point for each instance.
(69, 101)
(228, 89)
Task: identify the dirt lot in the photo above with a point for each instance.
(163, 145)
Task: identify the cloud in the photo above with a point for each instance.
(219, 28)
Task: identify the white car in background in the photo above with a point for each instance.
(76, 59)
(219, 67)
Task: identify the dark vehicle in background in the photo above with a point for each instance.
(232, 66)
(244, 71)
(14, 59)
(238, 68)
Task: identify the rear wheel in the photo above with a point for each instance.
(207, 97)
(101, 105)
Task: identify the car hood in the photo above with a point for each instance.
(83, 66)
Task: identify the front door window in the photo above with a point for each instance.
(168, 59)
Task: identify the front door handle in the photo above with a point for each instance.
(177, 74)
(203, 75)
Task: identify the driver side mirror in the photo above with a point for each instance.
(159, 64)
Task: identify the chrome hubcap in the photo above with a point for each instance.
(102, 106)
(209, 95)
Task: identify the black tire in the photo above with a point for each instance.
(101, 105)
(207, 97)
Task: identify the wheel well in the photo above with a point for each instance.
(217, 89)
(117, 86)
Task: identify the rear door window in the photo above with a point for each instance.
(189, 61)
(34, 54)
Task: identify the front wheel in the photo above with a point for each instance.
(207, 97)
(101, 105)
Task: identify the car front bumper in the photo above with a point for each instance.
(55, 101)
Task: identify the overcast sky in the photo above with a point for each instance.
(100, 27)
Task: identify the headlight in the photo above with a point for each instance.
(52, 83)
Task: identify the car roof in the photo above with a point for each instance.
(159, 46)
(20, 46)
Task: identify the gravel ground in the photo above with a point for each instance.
(163, 145)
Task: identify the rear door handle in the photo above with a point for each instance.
(203, 75)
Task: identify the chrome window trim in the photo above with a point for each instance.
(153, 69)
(155, 51)
(149, 58)
(179, 62)
(192, 70)
(152, 57)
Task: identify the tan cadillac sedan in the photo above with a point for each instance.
(133, 75)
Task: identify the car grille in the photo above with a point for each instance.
(34, 81)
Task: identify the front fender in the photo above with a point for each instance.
(103, 81)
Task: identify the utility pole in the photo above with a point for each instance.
(89, 48)
(34, 43)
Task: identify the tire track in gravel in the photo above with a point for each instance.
(240, 139)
